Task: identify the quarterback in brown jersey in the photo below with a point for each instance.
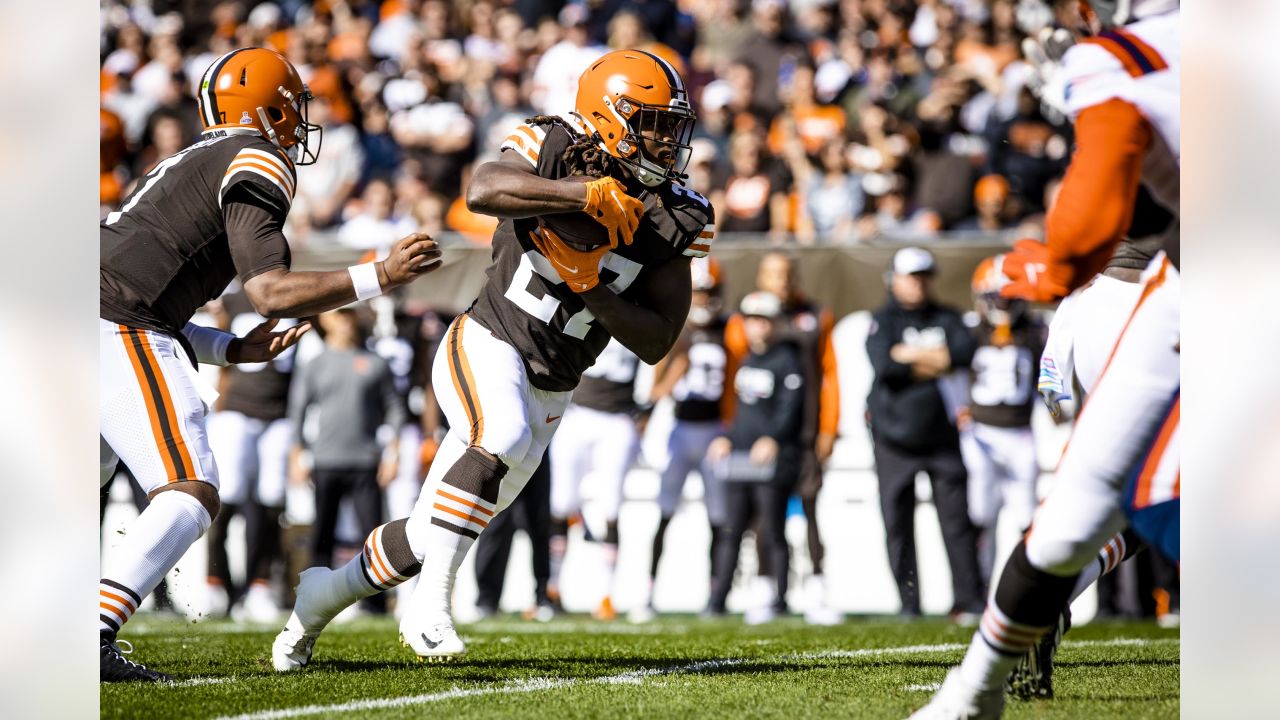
(556, 293)
(206, 215)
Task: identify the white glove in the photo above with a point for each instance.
(1044, 53)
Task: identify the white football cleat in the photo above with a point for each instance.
(312, 610)
(437, 642)
(642, 614)
(957, 700)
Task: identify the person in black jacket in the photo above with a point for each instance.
(914, 344)
(759, 456)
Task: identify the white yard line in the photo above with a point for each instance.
(640, 676)
(193, 682)
(926, 687)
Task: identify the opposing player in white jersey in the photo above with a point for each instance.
(1121, 88)
(596, 444)
(560, 286)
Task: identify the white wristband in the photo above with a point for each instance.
(365, 280)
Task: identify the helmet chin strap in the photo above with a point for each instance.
(266, 126)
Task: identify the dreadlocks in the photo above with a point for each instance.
(584, 156)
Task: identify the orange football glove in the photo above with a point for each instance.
(609, 204)
(1033, 275)
(580, 270)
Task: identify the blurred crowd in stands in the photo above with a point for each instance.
(819, 121)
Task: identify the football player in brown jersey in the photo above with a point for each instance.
(200, 218)
(595, 240)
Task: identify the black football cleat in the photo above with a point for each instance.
(117, 668)
(1032, 679)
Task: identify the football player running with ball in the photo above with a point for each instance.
(206, 215)
(595, 241)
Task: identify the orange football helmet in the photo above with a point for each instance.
(259, 88)
(636, 107)
(988, 278)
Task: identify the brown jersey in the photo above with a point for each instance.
(527, 305)
(166, 251)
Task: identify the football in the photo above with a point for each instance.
(579, 230)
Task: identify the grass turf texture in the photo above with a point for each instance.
(675, 667)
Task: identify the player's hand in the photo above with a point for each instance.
(580, 270)
(388, 469)
(764, 451)
(262, 344)
(825, 446)
(609, 204)
(1044, 56)
(719, 449)
(409, 259)
(1035, 276)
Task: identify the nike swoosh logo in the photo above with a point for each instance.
(431, 645)
(552, 418)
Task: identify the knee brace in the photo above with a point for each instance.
(202, 491)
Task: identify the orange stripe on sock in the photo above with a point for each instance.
(114, 611)
(468, 503)
(462, 515)
(127, 603)
(380, 566)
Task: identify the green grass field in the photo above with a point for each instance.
(676, 667)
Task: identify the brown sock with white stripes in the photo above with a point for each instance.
(463, 503)
(1026, 604)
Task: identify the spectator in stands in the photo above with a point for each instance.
(991, 197)
(347, 392)
(324, 187)
(1029, 151)
(914, 344)
(831, 196)
(374, 222)
(382, 156)
(772, 51)
(754, 196)
(555, 79)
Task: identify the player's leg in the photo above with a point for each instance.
(1084, 509)
(896, 474)
(738, 497)
(570, 457)
(948, 478)
(511, 423)
(1153, 487)
(682, 457)
(263, 523)
(229, 439)
(983, 492)
(152, 416)
(402, 494)
(611, 458)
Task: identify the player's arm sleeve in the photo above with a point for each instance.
(700, 246)
(1095, 205)
(526, 142)
(209, 343)
(735, 349)
(829, 394)
(879, 342)
(255, 232)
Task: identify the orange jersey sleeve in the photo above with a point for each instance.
(1095, 205)
(735, 348)
(829, 400)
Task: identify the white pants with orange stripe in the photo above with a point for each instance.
(596, 445)
(151, 408)
(484, 391)
(1114, 431)
(252, 455)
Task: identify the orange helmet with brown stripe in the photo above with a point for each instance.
(636, 107)
(259, 88)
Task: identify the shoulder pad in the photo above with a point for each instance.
(266, 168)
(1091, 76)
(526, 140)
(695, 216)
